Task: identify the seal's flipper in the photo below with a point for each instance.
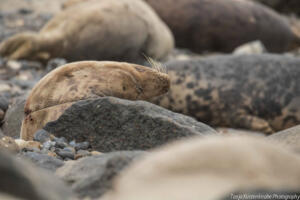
(20, 46)
(251, 122)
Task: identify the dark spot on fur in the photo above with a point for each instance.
(188, 98)
(124, 88)
(179, 81)
(190, 85)
(204, 93)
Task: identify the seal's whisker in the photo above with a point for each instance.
(156, 65)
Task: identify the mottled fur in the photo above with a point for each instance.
(84, 80)
(256, 92)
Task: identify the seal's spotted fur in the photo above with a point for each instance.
(258, 92)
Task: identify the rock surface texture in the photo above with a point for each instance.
(111, 124)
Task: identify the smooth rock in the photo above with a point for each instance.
(43, 160)
(82, 153)
(13, 118)
(289, 137)
(4, 102)
(255, 47)
(66, 153)
(82, 146)
(208, 168)
(48, 144)
(111, 124)
(41, 136)
(21, 179)
(92, 176)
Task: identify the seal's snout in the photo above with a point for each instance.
(166, 83)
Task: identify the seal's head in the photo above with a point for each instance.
(136, 82)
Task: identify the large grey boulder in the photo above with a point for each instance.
(92, 176)
(21, 179)
(111, 124)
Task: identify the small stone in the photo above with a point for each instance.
(82, 153)
(255, 47)
(41, 136)
(29, 65)
(72, 143)
(14, 65)
(4, 103)
(48, 144)
(60, 139)
(66, 153)
(82, 146)
(60, 144)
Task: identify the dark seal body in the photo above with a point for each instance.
(256, 92)
(223, 25)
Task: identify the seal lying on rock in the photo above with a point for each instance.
(69, 83)
(218, 25)
(256, 92)
(119, 30)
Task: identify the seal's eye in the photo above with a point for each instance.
(124, 88)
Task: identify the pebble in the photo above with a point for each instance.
(42, 136)
(72, 143)
(66, 153)
(82, 146)
(4, 103)
(28, 65)
(60, 139)
(82, 153)
(14, 65)
(61, 144)
(48, 145)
